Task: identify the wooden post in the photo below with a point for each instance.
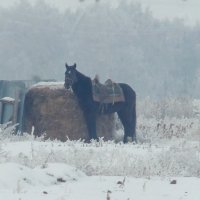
(3, 102)
(15, 108)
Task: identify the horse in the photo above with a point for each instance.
(81, 86)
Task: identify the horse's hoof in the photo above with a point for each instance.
(87, 140)
(91, 140)
(130, 140)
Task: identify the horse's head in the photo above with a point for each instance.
(70, 75)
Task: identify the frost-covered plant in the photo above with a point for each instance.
(8, 133)
(7, 129)
(166, 147)
(177, 107)
(151, 130)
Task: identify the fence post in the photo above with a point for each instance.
(3, 102)
(15, 108)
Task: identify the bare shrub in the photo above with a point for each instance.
(178, 107)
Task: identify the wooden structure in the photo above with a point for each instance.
(12, 95)
(14, 103)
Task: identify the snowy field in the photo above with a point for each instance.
(164, 165)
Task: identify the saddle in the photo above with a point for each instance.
(109, 92)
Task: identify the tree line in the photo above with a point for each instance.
(158, 58)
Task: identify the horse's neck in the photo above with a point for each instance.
(83, 85)
(81, 78)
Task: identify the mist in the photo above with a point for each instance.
(158, 58)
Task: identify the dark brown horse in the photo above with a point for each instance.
(82, 88)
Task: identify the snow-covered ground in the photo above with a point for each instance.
(164, 165)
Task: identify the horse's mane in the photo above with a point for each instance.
(83, 77)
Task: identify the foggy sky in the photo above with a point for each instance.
(127, 44)
(187, 9)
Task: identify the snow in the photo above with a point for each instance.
(59, 181)
(31, 168)
(51, 85)
(7, 99)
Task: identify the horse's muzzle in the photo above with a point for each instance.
(66, 86)
(68, 83)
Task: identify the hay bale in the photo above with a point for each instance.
(53, 110)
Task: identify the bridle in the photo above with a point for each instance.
(68, 82)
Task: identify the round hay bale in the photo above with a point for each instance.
(53, 110)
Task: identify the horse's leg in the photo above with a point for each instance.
(133, 123)
(90, 118)
(125, 117)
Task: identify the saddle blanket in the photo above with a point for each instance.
(109, 92)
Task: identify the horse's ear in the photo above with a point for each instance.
(66, 65)
(75, 65)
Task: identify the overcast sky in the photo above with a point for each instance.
(187, 9)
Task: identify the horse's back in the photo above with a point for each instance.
(128, 91)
